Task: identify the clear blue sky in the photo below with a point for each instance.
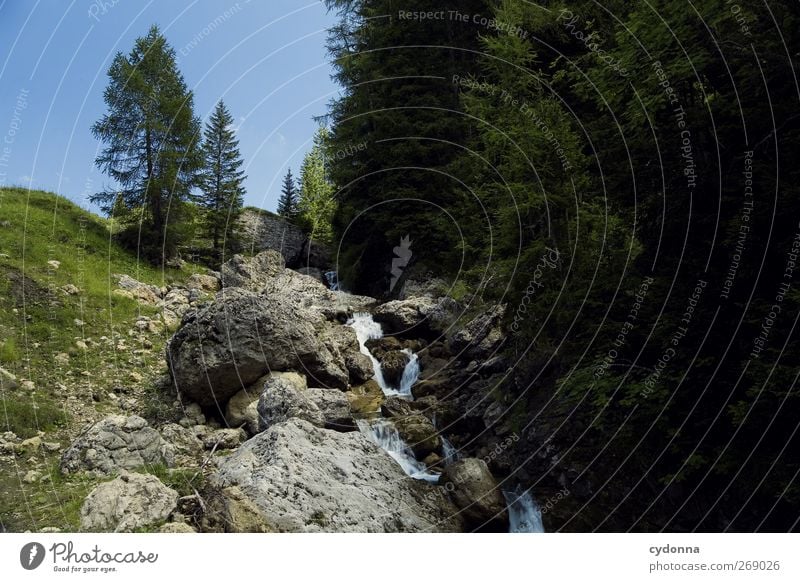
(265, 58)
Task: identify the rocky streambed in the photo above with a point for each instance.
(313, 410)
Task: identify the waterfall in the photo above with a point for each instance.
(450, 453)
(410, 373)
(332, 277)
(384, 434)
(524, 514)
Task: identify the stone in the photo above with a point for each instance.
(207, 283)
(231, 511)
(335, 408)
(300, 478)
(366, 399)
(175, 527)
(416, 316)
(224, 439)
(116, 443)
(282, 399)
(31, 477)
(129, 502)
(242, 410)
(475, 491)
(392, 365)
(70, 289)
(240, 337)
(187, 446)
(481, 337)
(419, 434)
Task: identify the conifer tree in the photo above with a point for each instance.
(289, 200)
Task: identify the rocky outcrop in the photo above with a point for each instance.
(129, 502)
(240, 337)
(417, 316)
(302, 479)
(116, 443)
(262, 231)
(284, 397)
(481, 337)
(419, 433)
(477, 494)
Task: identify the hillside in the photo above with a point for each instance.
(73, 347)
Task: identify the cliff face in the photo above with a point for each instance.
(262, 231)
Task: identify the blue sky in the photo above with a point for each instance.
(265, 58)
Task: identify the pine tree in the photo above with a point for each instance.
(289, 200)
(151, 152)
(221, 180)
(317, 204)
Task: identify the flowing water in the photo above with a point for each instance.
(524, 515)
(523, 512)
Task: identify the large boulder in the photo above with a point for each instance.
(303, 479)
(417, 316)
(266, 274)
(392, 366)
(129, 502)
(262, 230)
(240, 337)
(116, 443)
(284, 397)
(475, 491)
(365, 399)
(481, 337)
(342, 342)
(419, 433)
(335, 408)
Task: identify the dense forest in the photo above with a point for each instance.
(622, 176)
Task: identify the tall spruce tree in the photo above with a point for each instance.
(151, 153)
(221, 180)
(289, 200)
(317, 203)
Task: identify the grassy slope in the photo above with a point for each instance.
(38, 322)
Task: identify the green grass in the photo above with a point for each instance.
(25, 415)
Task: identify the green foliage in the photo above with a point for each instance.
(288, 204)
(221, 181)
(25, 415)
(151, 152)
(317, 203)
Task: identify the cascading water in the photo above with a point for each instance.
(381, 431)
(384, 434)
(524, 514)
(332, 278)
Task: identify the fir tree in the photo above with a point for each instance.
(221, 180)
(151, 136)
(289, 200)
(317, 204)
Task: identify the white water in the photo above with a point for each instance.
(332, 277)
(381, 431)
(384, 434)
(523, 513)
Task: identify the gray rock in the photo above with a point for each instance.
(417, 316)
(481, 337)
(115, 443)
(335, 408)
(419, 433)
(242, 409)
(392, 365)
(475, 491)
(240, 337)
(302, 479)
(262, 231)
(282, 399)
(129, 502)
(224, 439)
(187, 446)
(176, 527)
(342, 342)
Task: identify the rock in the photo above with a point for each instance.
(148, 294)
(129, 502)
(54, 264)
(187, 446)
(481, 337)
(231, 511)
(342, 342)
(192, 415)
(282, 399)
(378, 347)
(242, 410)
(262, 231)
(224, 439)
(335, 408)
(419, 433)
(365, 399)
(394, 406)
(417, 316)
(115, 443)
(239, 338)
(301, 478)
(392, 366)
(7, 380)
(28, 385)
(70, 289)
(32, 444)
(312, 272)
(51, 447)
(62, 358)
(265, 274)
(31, 477)
(174, 527)
(433, 461)
(50, 529)
(477, 494)
(208, 283)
